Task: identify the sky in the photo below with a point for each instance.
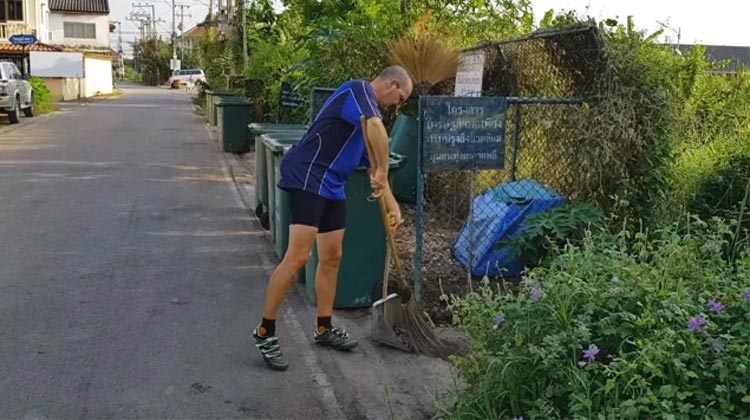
(717, 22)
(121, 9)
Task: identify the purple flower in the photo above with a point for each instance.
(746, 295)
(499, 320)
(518, 418)
(716, 306)
(591, 353)
(717, 346)
(536, 294)
(696, 324)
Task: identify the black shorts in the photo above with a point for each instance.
(313, 210)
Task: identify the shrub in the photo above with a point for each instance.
(622, 327)
(547, 231)
(42, 96)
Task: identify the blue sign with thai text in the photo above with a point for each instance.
(22, 39)
(462, 133)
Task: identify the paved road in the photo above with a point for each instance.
(131, 275)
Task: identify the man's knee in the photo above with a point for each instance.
(331, 258)
(296, 260)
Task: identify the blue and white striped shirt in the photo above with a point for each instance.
(333, 147)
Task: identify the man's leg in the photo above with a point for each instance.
(301, 240)
(330, 249)
(329, 258)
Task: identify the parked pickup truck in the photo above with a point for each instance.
(16, 94)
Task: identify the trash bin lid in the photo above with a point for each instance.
(276, 145)
(223, 102)
(262, 128)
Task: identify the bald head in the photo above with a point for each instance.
(392, 87)
(398, 74)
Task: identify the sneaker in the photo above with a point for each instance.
(337, 338)
(270, 350)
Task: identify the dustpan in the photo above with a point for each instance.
(386, 314)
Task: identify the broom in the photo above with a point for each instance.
(427, 60)
(415, 323)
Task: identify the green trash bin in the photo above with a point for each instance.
(261, 181)
(233, 116)
(211, 103)
(361, 271)
(273, 146)
(404, 142)
(255, 130)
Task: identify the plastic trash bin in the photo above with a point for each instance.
(211, 96)
(363, 261)
(257, 129)
(273, 147)
(404, 142)
(261, 181)
(233, 116)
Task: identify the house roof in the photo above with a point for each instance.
(99, 7)
(19, 49)
(737, 57)
(196, 32)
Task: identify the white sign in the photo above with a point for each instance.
(56, 64)
(174, 64)
(469, 74)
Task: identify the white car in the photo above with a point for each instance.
(16, 94)
(188, 77)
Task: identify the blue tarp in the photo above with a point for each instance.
(498, 215)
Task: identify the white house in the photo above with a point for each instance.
(24, 17)
(79, 23)
(82, 26)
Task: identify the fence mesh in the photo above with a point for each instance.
(541, 145)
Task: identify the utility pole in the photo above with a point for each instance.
(174, 33)
(149, 18)
(121, 60)
(182, 30)
(244, 36)
(677, 31)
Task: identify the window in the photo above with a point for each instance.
(11, 10)
(79, 30)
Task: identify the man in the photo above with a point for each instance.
(314, 173)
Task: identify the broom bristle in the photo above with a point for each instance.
(427, 60)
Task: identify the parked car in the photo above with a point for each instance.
(187, 77)
(16, 94)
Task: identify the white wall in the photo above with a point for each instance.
(98, 77)
(41, 19)
(58, 32)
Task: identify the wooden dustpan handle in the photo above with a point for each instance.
(381, 200)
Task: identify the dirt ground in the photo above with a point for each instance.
(442, 274)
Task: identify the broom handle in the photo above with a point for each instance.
(381, 200)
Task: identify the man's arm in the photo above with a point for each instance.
(378, 138)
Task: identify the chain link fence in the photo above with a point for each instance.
(546, 77)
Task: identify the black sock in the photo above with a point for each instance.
(267, 328)
(324, 324)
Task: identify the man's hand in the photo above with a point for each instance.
(378, 182)
(394, 211)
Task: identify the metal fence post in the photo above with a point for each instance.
(420, 208)
(516, 142)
